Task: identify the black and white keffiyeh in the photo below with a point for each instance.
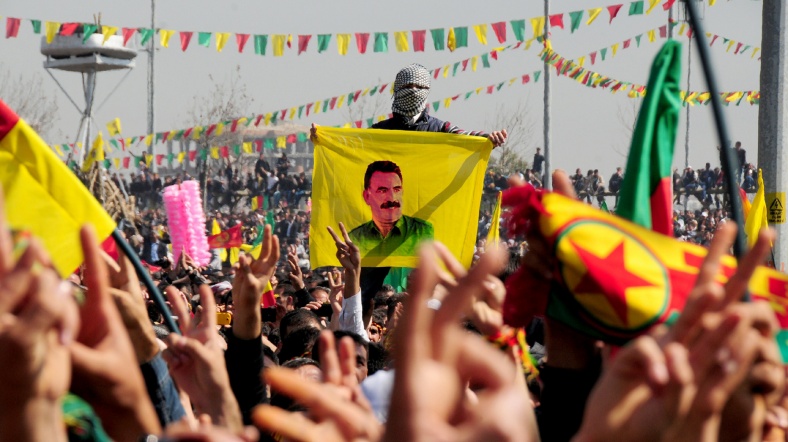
(411, 101)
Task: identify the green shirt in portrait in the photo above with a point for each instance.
(407, 233)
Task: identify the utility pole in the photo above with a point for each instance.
(773, 121)
(151, 82)
(548, 181)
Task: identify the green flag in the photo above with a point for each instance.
(485, 60)
(146, 34)
(648, 173)
(636, 8)
(36, 26)
(576, 17)
(518, 27)
(204, 39)
(381, 42)
(88, 30)
(439, 38)
(461, 36)
(322, 42)
(260, 42)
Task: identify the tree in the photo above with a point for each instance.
(627, 117)
(512, 155)
(26, 95)
(368, 107)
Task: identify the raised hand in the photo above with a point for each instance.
(296, 276)
(105, 370)
(251, 277)
(338, 410)
(348, 253)
(196, 362)
(498, 137)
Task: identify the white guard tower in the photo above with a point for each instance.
(69, 53)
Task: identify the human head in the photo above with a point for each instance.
(411, 89)
(738, 145)
(297, 319)
(298, 344)
(538, 149)
(383, 191)
(362, 352)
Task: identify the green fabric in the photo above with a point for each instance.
(436, 105)
(637, 39)
(300, 110)
(439, 38)
(322, 42)
(302, 137)
(89, 29)
(457, 66)
(268, 143)
(403, 239)
(461, 36)
(81, 421)
(146, 34)
(603, 52)
(636, 8)
(370, 122)
(381, 42)
(204, 39)
(576, 18)
(373, 91)
(485, 61)
(260, 43)
(653, 141)
(518, 27)
(36, 26)
(398, 278)
(536, 76)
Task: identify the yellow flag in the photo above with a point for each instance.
(343, 41)
(481, 33)
(757, 219)
(614, 48)
(215, 153)
(221, 40)
(537, 24)
(248, 148)
(581, 61)
(219, 129)
(148, 160)
(651, 5)
(107, 32)
(165, 34)
(712, 2)
(730, 45)
(268, 118)
(148, 140)
(445, 72)
(652, 35)
(447, 102)
(429, 204)
(52, 28)
(96, 153)
(116, 161)
(281, 142)
(181, 157)
(474, 63)
(58, 150)
(401, 40)
(451, 41)
(593, 14)
(113, 127)
(278, 43)
(215, 230)
(196, 132)
(494, 234)
(234, 254)
(43, 196)
(340, 101)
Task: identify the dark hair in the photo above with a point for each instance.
(300, 362)
(338, 335)
(298, 344)
(377, 358)
(295, 320)
(397, 298)
(381, 166)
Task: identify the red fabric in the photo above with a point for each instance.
(224, 152)
(663, 31)
(500, 31)
(332, 103)
(258, 145)
(159, 159)
(192, 155)
(269, 300)
(526, 78)
(231, 237)
(186, 37)
(557, 21)
(494, 55)
(68, 29)
(668, 4)
(303, 43)
(613, 10)
(258, 120)
(362, 38)
(308, 108)
(127, 33)
(464, 64)
(211, 128)
(12, 27)
(593, 57)
(8, 119)
(126, 162)
(418, 40)
(358, 124)
(627, 42)
(241, 40)
(436, 72)
(187, 132)
(662, 207)
(356, 95)
(292, 138)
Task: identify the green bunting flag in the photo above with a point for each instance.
(145, 35)
(268, 143)
(204, 39)
(603, 52)
(637, 39)
(439, 38)
(36, 26)
(485, 61)
(302, 137)
(88, 30)
(260, 42)
(381, 42)
(461, 34)
(576, 18)
(370, 122)
(518, 27)
(636, 8)
(322, 42)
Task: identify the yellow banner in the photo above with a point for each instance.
(412, 186)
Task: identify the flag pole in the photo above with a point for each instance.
(727, 160)
(154, 292)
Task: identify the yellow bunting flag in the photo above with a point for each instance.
(447, 102)
(215, 230)
(96, 153)
(652, 36)
(451, 41)
(757, 219)
(52, 28)
(196, 132)
(340, 101)
(494, 234)
(614, 49)
(43, 196)
(148, 160)
(537, 24)
(215, 153)
(221, 40)
(481, 33)
(401, 40)
(278, 42)
(343, 41)
(107, 32)
(428, 204)
(651, 5)
(281, 142)
(165, 35)
(474, 63)
(116, 162)
(59, 151)
(181, 157)
(730, 45)
(446, 71)
(219, 129)
(248, 148)
(593, 14)
(754, 51)
(148, 140)
(581, 61)
(113, 127)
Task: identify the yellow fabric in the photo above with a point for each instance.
(196, 132)
(219, 129)
(116, 162)
(148, 140)
(443, 176)
(278, 43)
(58, 150)
(614, 49)
(757, 219)
(281, 142)
(165, 35)
(651, 5)
(221, 40)
(451, 41)
(401, 40)
(234, 254)
(343, 41)
(481, 33)
(340, 101)
(248, 148)
(494, 235)
(181, 157)
(107, 32)
(593, 14)
(215, 153)
(113, 127)
(538, 25)
(215, 230)
(46, 198)
(474, 63)
(652, 35)
(52, 28)
(96, 153)
(148, 160)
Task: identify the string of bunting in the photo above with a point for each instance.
(571, 69)
(403, 41)
(281, 142)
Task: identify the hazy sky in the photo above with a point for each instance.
(588, 131)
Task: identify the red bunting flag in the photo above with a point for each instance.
(292, 138)
(490, 89)
(187, 133)
(186, 37)
(224, 151)
(258, 145)
(258, 120)
(613, 11)
(283, 115)
(303, 43)
(418, 40)
(627, 42)
(308, 108)
(333, 103)
(668, 4)
(11, 27)
(241, 40)
(127, 34)
(358, 124)
(159, 158)
(126, 162)
(382, 88)
(165, 136)
(738, 47)
(356, 95)
(362, 38)
(231, 237)
(663, 31)
(436, 73)
(464, 64)
(689, 33)
(234, 126)
(526, 78)
(593, 57)
(494, 55)
(713, 39)
(500, 31)
(211, 128)
(557, 21)
(68, 29)
(192, 155)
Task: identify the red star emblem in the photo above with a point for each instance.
(598, 279)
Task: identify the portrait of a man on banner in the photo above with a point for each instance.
(394, 190)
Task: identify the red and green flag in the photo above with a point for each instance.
(231, 237)
(651, 153)
(258, 202)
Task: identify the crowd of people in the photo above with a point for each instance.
(328, 357)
